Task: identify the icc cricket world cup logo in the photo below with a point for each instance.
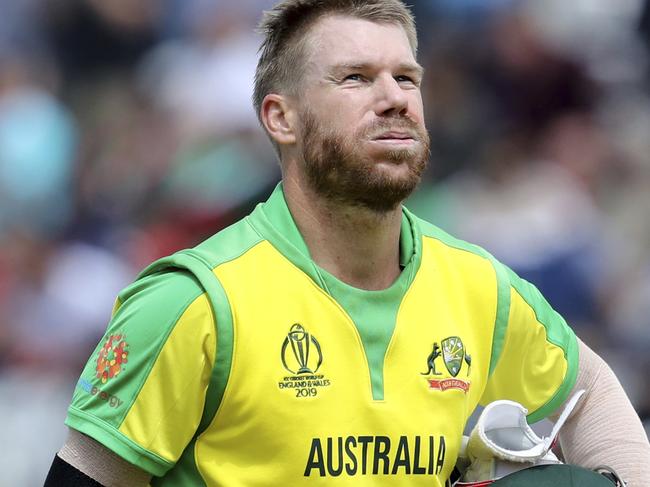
(306, 356)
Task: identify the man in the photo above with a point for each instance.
(289, 349)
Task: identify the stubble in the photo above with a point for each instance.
(340, 171)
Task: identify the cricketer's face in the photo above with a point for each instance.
(363, 141)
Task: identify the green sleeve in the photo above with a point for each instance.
(537, 360)
(146, 314)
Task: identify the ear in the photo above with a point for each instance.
(279, 119)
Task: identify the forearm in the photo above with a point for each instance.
(605, 429)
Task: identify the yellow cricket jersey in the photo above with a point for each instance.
(242, 363)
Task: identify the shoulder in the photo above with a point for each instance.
(150, 309)
(228, 244)
(180, 278)
(164, 290)
(452, 245)
(430, 231)
(169, 286)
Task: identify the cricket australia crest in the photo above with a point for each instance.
(453, 354)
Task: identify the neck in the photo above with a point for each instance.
(358, 246)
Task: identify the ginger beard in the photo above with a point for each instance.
(338, 169)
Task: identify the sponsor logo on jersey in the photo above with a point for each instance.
(375, 455)
(454, 356)
(112, 357)
(302, 356)
(112, 400)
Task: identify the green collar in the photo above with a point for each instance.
(274, 222)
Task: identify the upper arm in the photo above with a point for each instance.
(539, 360)
(142, 392)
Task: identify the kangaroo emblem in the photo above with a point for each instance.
(431, 360)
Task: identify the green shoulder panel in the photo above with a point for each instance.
(503, 284)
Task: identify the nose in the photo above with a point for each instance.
(391, 98)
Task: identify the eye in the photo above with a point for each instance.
(354, 77)
(405, 79)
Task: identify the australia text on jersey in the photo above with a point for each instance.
(375, 455)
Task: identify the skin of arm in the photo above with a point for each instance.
(101, 464)
(604, 429)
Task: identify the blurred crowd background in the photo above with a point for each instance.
(127, 132)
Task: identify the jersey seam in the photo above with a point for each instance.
(227, 386)
(478, 252)
(504, 344)
(197, 252)
(250, 223)
(502, 316)
(215, 320)
(214, 293)
(548, 337)
(561, 394)
(187, 385)
(563, 390)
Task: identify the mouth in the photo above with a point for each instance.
(394, 137)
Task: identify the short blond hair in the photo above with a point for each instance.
(285, 26)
